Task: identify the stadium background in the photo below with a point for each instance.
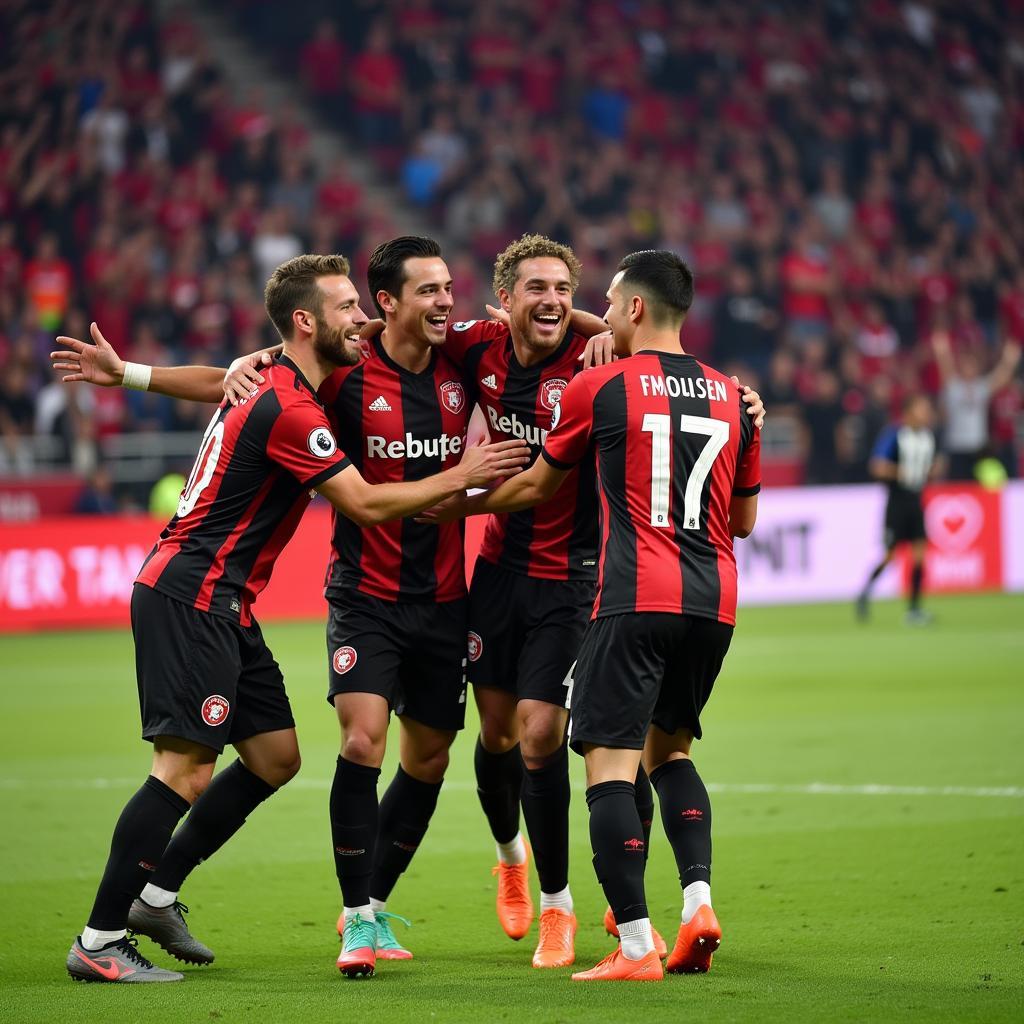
(845, 177)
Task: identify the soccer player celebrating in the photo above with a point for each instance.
(205, 674)
(678, 470)
(904, 458)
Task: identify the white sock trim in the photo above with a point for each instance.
(637, 940)
(365, 912)
(512, 852)
(695, 896)
(556, 900)
(94, 938)
(157, 897)
(378, 905)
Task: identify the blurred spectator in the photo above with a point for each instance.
(97, 497)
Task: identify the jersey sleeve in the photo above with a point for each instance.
(886, 446)
(302, 441)
(572, 424)
(747, 481)
(462, 335)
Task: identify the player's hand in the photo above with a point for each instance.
(371, 329)
(755, 407)
(446, 511)
(486, 463)
(600, 350)
(243, 376)
(499, 314)
(97, 363)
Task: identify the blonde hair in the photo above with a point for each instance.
(530, 247)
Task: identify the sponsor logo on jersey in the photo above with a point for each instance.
(463, 325)
(454, 396)
(515, 427)
(379, 404)
(474, 645)
(215, 709)
(413, 447)
(344, 658)
(551, 392)
(490, 381)
(321, 443)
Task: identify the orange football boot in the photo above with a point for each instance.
(660, 945)
(514, 904)
(696, 944)
(616, 967)
(557, 932)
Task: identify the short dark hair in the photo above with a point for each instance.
(293, 285)
(386, 271)
(665, 280)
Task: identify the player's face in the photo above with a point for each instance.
(540, 303)
(919, 413)
(422, 309)
(337, 324)
(618, 318)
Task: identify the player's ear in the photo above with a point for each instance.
(505, 299)
(386, 301)
(303, 320)
(636, 308)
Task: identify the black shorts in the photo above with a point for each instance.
(524, 633)
(201, 676)
(644, 668)
(904, 518)
(412, 653)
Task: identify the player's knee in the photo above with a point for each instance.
(362, 748)
(191, 782)
(430, 766)
(283, 770)
(541, 736)
(497, 735)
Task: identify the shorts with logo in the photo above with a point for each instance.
(201, 676)
(413, 653)
(644, 668)
(904, 517)
(525, 633)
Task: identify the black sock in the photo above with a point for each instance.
(875, 573)
(499, 779)
(405, 813)
(215, 817)
(546, 810)
(140, 836)
(617, 840)
(916, 580)
(354, 828)
(644, 806)
(686, 815)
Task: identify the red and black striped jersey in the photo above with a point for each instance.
(557, 540)
(398, 425)
(673, 445)
(251, 482)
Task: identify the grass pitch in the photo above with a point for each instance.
(868, 792)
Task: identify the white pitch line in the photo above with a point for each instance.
(782, 788)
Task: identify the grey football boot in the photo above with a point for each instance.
(166, 927)
(117, 962)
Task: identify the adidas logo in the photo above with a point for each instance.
(490, 381)
(380, 404)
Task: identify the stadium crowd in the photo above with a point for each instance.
(845, 178)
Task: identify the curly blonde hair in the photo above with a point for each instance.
(529, 247)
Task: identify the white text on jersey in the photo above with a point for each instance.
(515, 427)
(413, 447)
(685, 387)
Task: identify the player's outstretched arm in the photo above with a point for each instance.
(370, 504)
(99, 364)
(1006, 367)
(537, 485)
(742, 515)
(243, 377)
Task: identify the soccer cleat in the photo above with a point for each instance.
(358, 954)
(660, 945)
(861, 607)
(616, 967)
(557, 932)
(514, 905)
(388, 947)
(696, 944)
(118, 961)
(919, 617)
(166, 927)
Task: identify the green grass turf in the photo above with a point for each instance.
(836, 905)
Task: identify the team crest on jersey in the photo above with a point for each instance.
(551, 392)
(453, 394)
(474, 645)
(463, 325)
(344, 658)
(321, 443)
(215, 709)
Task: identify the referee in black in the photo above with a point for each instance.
(905, 459)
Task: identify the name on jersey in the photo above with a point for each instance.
(515, 427)
(683, 387)
(413, 447)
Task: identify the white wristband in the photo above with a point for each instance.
(136, 376)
